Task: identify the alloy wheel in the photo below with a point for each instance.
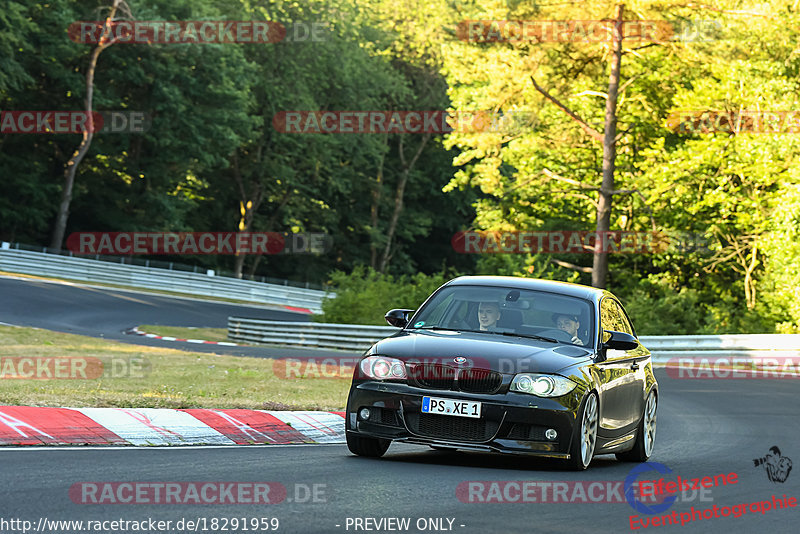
(650, 424)
(589, 429)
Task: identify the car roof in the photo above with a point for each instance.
(552, 286)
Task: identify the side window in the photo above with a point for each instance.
(625, 320)
(612, 317)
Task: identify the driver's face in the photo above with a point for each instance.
(568, 325)
(488, 314)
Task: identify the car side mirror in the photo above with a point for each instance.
(620, 341)
(398, 317)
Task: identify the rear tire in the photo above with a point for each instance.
(645, 434)
(585, 437)
(363, 446)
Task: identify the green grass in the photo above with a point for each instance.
(168, 378)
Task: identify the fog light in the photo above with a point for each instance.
(550, 434)
(363, 413)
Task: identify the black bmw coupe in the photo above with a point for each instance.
(509, 365)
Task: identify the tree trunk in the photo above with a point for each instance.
(249, 206)
(71, 168)
(239, 263)
(749, 281)
(398, 199)
(600, 263)
(374, 209)
(270, 224)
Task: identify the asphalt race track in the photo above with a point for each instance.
(102, 312)
(705, 428)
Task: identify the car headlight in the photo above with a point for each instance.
(383, 368)
(542, 385)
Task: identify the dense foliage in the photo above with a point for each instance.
(211, 149)
(363, 295)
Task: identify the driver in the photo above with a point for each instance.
(488, 314)
(568, 323)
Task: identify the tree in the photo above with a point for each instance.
(609, 140)
(71, 166)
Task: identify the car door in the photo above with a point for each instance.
(622, 373)
(639, 357)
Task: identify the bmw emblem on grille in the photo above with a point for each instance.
(460, 359)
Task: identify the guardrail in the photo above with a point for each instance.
(664, 348)
(137, 276)
(361, 337)
(320, 335)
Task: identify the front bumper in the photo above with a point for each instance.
(510, 422)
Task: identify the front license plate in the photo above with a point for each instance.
(451, 407)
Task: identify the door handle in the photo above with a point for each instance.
(635, 366)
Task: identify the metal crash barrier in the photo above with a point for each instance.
(139, 276)
(361, 337)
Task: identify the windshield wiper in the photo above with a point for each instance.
(502, 333)
(530, 336)
(454, 329)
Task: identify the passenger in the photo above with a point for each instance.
(568, 323)
(488, 314)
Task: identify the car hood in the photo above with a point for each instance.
(505, 354)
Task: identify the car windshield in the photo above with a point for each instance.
(504, 311)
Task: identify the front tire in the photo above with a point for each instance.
(645, 434)
(363, 446)
(583, 442)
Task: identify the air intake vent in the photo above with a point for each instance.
(479, 380)
(452, 428)
(432, 376)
